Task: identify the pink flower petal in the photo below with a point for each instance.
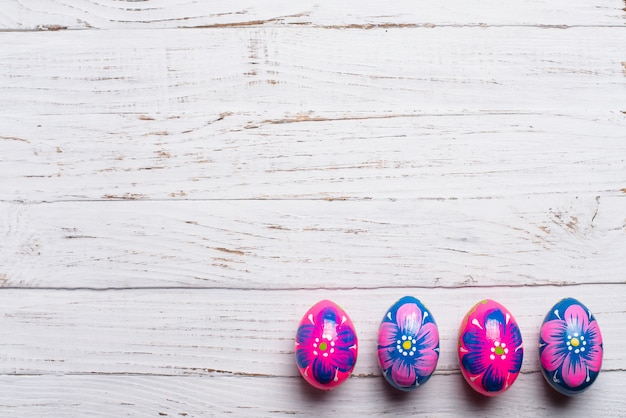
(552, 331)
(576, 318)
(594, 358)
(403, 374)
(552, 356)
(385, 357)
(426, 362)
(574, 372)
(428, 337)
(409, 318)
(593, 332)
(387, 334)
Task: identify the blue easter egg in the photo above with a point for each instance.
(408, 344)
(570, 347)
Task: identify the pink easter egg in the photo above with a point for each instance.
(490, 348)
(326, 345)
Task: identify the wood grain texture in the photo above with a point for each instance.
(109, 14)
(281, 121)
(208, 352)
(181, 180)
(317, 155)
(315, 244)
(279, 71)
(157, 396)
(217, 332)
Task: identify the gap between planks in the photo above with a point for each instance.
(368, 26)
(299, 289)
(305, 244)
(249, 333)
(442, 396)
(54, 15)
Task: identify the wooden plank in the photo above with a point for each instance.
(172, 201)
(293, 70)
(84, 14)
(154, 396)
(296, 244)
(219, 332)
(317, 155)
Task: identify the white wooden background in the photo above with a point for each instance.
(180, 180)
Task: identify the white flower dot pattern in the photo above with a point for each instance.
(326, 346)
(499, 350)
(406, 345)
(576, 343)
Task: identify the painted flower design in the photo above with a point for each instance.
(408, 345)
(326, 345)
(571, 346)
(492, 350)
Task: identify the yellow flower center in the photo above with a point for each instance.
(575, 342)
(323, 346)
(499, 350)
(406, 345)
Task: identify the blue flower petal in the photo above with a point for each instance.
(303, 357)
(516, 361)
(329, 314)
(495, 325)
(305, 333)
(345, 337)
(493, 379)
(343, 360)
(514, 335)
(495, 315)
(474, 340)
(323, 372)
(474, 362)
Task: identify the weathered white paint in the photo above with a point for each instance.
(85, 14)
(218, 332)
(250, 396)
(181, 350)
(172, 201)
(293, 70)
(532, 240)
(469, 155)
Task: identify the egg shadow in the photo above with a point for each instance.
(307, 392)
(551, 396)
(469, 395)
(310, 393)
(393, 395)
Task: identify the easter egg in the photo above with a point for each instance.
(408, 344)
(490, 348)
(326, 345)
(570, 347)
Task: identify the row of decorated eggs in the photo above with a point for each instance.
(490, 347)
